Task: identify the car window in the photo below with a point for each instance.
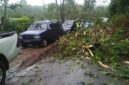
(44, 26)
(38, 26)
(68, 23)
(53, 25)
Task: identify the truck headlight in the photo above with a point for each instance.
(36, 37)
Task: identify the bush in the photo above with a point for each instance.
(120, 25)
(106, 48)
(17, 24)
(98, 21)
(120, 20)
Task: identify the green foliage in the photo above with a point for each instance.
(101, 11)
(50, 11)
(120, 25)
(17, 24)
(107, 47)
(120, 20)
(98, 21)
(72, 10)
(119, 6)
(89, 5)
(71, 45)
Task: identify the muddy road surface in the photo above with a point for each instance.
(29, 56)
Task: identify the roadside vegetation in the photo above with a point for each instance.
(100, 45)
(105, 44)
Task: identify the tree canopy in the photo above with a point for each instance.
(119, 6)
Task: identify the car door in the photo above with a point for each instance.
(53, 32)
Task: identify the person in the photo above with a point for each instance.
(78, 24)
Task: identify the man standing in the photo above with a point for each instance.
(78, 23)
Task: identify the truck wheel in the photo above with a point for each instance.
(2, 73)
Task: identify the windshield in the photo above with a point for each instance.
(68, 23)
(38, 26)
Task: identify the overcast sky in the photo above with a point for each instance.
(40, 2)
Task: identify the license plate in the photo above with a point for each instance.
(27, 41)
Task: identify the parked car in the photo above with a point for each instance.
(105, 19)
(69, 25)
(87, 24)
(8, 51)
(41, 33)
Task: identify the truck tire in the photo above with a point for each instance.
(2, 73)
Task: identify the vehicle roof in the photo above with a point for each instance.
(47, 21)
(70, 20)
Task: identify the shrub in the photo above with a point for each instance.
(17, 24)
(120, 20)
(120, 25)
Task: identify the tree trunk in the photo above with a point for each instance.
(4, 16)
(62, 11)
(57, 8)
(43, 10)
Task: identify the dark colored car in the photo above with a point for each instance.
(41, 33)
(69, 25)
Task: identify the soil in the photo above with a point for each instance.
(29, 56)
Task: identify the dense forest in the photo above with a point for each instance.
(68, 9)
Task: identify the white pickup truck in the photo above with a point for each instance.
(8, 51)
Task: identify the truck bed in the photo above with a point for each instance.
(6, 34)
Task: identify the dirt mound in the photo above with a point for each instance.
(38, 54)
(30, 56)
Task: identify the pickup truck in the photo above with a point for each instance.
(8, 51)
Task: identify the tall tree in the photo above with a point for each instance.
(5, 2)
(88, 8)
(23, 2)
(62, 10)
(89, 5)
(101, 11)
(51, 12)
(57, 9)
(70, 9)
(119, 6)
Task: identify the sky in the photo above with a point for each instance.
(40, 2)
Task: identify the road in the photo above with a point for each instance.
(36, 66)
